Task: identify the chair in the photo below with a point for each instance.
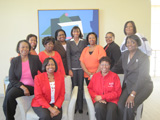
(91, 110)
(68, 106)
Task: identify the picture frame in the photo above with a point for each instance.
(51, 20)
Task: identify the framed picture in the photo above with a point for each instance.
(51, 20)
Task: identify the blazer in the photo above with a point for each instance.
(74, 52)
(60, 49)
(113, 52)
(42, 90)
(136, 72)
(15, 70)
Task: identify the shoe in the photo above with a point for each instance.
(80, 111)
(75, 111)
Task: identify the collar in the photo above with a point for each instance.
(79, 39)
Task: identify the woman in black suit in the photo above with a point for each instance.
(21, 75)
(137, 84)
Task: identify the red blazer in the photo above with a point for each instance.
(42, 90)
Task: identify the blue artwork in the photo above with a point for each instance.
(51, 20)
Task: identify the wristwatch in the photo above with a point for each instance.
(56, 107)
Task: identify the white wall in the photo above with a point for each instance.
(19, 18)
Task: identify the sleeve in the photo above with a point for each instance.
(41, 57)
(147, 46)
(61, 66)
(117, 68)
(68, 55)
(82, 55)
(116, 54)
(38, 93)
(101, 52)
(115, 94)
(123, 47)
(61, 96)
(14, 80)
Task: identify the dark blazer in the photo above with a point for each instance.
(15, 70)
(73, 53)
(60, 49)
(136, 72)
(113, 52)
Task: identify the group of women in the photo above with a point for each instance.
(81, 59)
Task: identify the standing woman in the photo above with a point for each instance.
(90, 57)
(61, 47)
(32, 39)
(75, 47)
(48, 43)
(21, 74)
(49, 92)
(137, 85)
(112, 49)
(130, 29)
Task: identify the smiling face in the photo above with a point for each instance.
(50, 67)
(61, 36)
(24, 49)
(131, 45)
(76, 33)
(109, 38)
(33, 42)
(129, 29)
(105, 67)
(92, 39)
(49, 46)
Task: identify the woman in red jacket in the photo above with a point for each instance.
(105, 90)
(49, 92)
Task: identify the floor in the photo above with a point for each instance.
(150, 111)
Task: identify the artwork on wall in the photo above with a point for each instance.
(51, 20)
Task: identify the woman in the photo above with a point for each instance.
(105, 90)
(48, 43)
(49, 92)
(74, 50)
(112, 49)
(21, 74)
(90, 56)
(130, 29)
(61, 46)
(32, 39)
(137, 84)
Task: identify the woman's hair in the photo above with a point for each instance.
(17, 49)
(29, 36)
(111, 34)
(57, 31)
(46, 61)
(74, 28)
(87, 38)
(47, 39)
(106, 58)
(134, 37)
(133, 24)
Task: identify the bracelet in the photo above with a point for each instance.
(132, 95)
(56, 107)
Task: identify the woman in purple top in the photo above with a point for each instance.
(22, 70)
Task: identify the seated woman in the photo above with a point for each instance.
(49, 92)
(112, 49)
(105, 90)
(137, 84)
(48, 43)
(21, 74)
(90, 56)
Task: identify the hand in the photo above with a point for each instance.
(98, 98)
(53, 111)
(88, 73)
(25, 90)
(130, 102)
(71, 73)
(103, 101)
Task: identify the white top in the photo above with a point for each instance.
(65, 46)
(145, 47)
(52, 86)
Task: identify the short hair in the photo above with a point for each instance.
(57, 31)
(134, 37)
(111, 34)
(133, 24)
(46, 61)
(105, 58)
(47, 39)
(29, 36)
(74, 28)
(87, 38)
(17, 49)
